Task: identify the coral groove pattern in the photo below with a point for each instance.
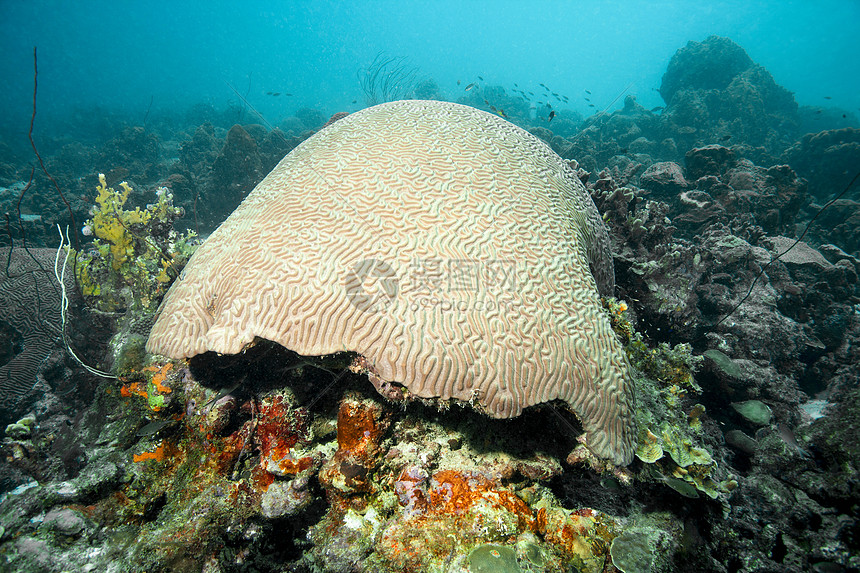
(29, 309)
(453, 250)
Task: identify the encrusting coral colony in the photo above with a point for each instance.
(402, 352)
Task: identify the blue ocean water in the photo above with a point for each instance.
(127, 56)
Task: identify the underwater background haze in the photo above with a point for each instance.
(121, 55)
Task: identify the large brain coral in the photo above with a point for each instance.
(454, 251)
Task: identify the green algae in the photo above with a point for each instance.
(754, 412)
(728, 366)
(670, 423)
(647, 546)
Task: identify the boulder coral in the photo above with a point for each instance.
(455, 252)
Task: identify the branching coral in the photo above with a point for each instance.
(110, 221)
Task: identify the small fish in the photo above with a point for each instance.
(551, 115)
(587, 99)
(224, 392)
(480, 78)
(725, 138)
(565, 99)
(789, 438)
(827, 97)
(153, 427)
(470, 86)
(458, 82)
(555, 94)
(355, 101)
(655, 109)
(844, 116)
(541, 85)
(288, 94)
(818, 111)
(516, 86)
(268, 93)
(532, 93)
(591, 105)
(681, 486)
(610, 484)
(588, 92)
(502, 113)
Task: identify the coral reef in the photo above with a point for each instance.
(217, 168)
(237, 168)
(743, 343)
(713, 87)
(134, 150)
(219, 472)
(822, 159)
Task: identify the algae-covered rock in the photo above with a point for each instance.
(129, 353)
(741, 441)
(493, 559)
(100, 476)
(65, 521)
(286, 498)
(647, 547)
(754, 412)
(531, 552)
(724, 363)
(631, 553)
